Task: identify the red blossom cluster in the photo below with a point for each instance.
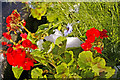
(92, 35)
(13, 21)
(7, 35)
(18, 58)
(5, 43)
(20, 55)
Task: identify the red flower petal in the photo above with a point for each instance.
(8, 25)
(98, 49)
(4, 43)
(9, 50)
(26, 43)
(9, 45)
(23, 35)
(8, 19)
(6, 35)
(86, 46)
(33, 46)
(103, 34)
(90, 39)
(28, 64)
(92, 32)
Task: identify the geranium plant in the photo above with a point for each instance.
(60, 46)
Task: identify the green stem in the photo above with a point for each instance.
(45, 60)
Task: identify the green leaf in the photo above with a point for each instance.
(42, 27)
(110, 72)
(59, 41)
(51, 17)
(38, 12)
(46, 45)
(36, 73)
(62, 68)
(101, 62)
(62, 71)
(99, 67)
(37, 53)
(60, 46)
(29, 36)
(85, 59)
(39, 56)
(67, 57)
(87, 74)
(17, 71)
(96, 69)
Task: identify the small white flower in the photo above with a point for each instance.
(78, 21)
(69, 29)
(76, 8)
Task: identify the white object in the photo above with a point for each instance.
(71, 41)
(54, 36)
(39, 43)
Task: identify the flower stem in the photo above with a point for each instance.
(20, 31)
(25, 28)
(12, 41)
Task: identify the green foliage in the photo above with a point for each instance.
(85, 59)
(60, 45)
(60, 41)
(37, 73)
(39, 56)
(97, 65)
(17, 72)
(87, 73)
(39, 11)
(67, 57)
(46, 45)
(72, 63)
(62, 71)
(29, 36)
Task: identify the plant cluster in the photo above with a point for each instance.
(61, 46)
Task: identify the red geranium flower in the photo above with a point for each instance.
(6, 35)
(33, 46)
(8, 25)
(90, 39)
(28, 64)
(92, 32)
(11, 58)
(8, 19)
(26, 43)
(4, 43)
(20, 57)
(98, 49)
(23, 35)
(86, 46)
(103, 34)
(9, 50)
(9, 45)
